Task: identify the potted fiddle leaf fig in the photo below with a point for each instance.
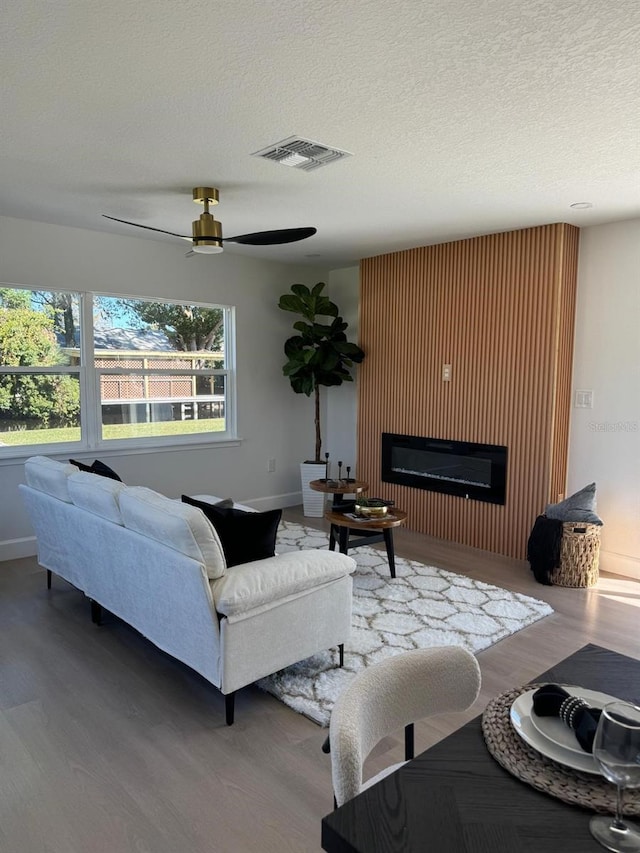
(318, 355)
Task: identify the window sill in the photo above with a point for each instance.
(111, 450)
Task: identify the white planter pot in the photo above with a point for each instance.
(313, 502)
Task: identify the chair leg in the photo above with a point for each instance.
(326, 748)
(96, 612)
(341, 654)
(229, 705)
(48, 578)
(408, 742)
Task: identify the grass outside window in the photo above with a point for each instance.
(18, 438)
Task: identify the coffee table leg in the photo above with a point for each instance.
(388, 541)
(332, 538)
(344, 540)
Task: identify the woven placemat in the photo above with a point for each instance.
(527, 764)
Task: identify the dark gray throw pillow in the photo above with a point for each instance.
(245, 536)
(97, 467)
(580, 506)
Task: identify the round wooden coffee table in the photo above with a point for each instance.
(351, 532)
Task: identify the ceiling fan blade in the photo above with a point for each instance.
(273, 238)
(148, 228)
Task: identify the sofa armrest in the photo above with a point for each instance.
(263, 583)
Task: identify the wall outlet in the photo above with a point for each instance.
(446, 373)
(271, 466)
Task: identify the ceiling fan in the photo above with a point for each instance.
(207, 232)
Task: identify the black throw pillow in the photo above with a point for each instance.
(98, 468)
(245, 536)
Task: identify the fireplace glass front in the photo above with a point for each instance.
(467, 469)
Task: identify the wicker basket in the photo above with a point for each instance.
(579, 555)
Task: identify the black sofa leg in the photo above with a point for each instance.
(96, 613)
(48, 578)
(229, 705)
(341, 654)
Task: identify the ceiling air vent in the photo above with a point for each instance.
(300, 153)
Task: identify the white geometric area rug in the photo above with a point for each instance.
(422, 607)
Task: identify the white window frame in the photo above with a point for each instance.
(90, 398)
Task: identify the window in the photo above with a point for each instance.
(96, 371)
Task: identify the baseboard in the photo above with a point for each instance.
(619, 564)
(274, 501)
(15, 549)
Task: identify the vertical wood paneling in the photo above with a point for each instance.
(500, 310)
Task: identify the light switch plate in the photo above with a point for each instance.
(584, 400)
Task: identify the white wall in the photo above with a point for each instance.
(605, 440)
(273, 422)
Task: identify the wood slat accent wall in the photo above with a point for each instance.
(500, 310)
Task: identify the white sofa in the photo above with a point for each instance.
(158, 564)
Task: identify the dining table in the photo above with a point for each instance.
(456, 798)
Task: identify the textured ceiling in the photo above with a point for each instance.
(463, 117)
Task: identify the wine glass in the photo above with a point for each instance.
(616, 749)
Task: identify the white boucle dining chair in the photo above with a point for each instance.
(388, 695)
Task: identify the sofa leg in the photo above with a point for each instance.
(48, 578)
(96, 612)
(229, 705)
(341, 654)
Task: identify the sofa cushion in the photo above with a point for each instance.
(179, 526)
(245, 536)
(252, 586)
(47, 475)
(580, 506)
(98, 495)
(97, 467)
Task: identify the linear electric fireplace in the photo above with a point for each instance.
(473, 471)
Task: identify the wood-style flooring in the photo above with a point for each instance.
(108, 745)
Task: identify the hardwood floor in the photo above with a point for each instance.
(107, 745)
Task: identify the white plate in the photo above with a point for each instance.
(553, 728)
(523, 725)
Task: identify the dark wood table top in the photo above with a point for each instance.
(394, 518)
(455, 798)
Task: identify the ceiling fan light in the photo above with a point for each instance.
(206, 248)
(207, 235)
